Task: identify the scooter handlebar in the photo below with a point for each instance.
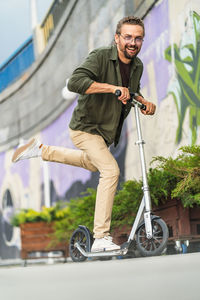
(132, 99)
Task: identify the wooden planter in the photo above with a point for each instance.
(120, 235)
(183, 223)
(35, 238)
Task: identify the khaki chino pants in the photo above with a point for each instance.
(93, 155)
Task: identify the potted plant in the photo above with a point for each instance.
(37, 230)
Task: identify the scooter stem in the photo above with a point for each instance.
(141, 143)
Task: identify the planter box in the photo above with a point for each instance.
(35, 238)
(183, 223)
(120, 235)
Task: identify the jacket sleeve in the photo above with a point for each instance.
(86, 74)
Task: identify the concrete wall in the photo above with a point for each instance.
(35, 100)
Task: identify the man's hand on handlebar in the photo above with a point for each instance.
(150, 107)
(125, 95)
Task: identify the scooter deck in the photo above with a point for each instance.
(101, 254)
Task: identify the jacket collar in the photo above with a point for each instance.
(114, 56)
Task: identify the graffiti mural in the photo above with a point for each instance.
(185, 87)
(171, 79)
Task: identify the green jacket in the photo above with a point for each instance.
(102, 114)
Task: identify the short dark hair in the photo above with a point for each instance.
(129, 20)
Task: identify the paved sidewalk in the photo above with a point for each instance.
(29, 262)
(174, 277)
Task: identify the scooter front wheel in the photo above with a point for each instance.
(158, 242)
(78, 236)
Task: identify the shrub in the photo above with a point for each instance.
(161, 184)
(126, 203)
(50, 214)
(81, 212)
(186, 171)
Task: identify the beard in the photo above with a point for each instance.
(129, 55)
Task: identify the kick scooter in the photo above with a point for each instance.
(149, 232)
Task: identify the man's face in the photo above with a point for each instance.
(129, 41)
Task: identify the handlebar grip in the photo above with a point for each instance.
(142, 106)
(117, 93)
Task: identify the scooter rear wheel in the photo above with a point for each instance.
(78, 236)
(158, 242)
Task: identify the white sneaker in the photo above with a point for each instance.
(104, 244)
(32, 149)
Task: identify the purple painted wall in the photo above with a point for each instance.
(155, 42)
(23, 170)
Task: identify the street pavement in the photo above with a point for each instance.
(169, 277)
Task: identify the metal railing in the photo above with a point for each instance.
(16, 65)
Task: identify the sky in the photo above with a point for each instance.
(15, 24)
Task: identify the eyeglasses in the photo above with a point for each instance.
(130, 39)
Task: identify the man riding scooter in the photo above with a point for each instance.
(98, 118)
